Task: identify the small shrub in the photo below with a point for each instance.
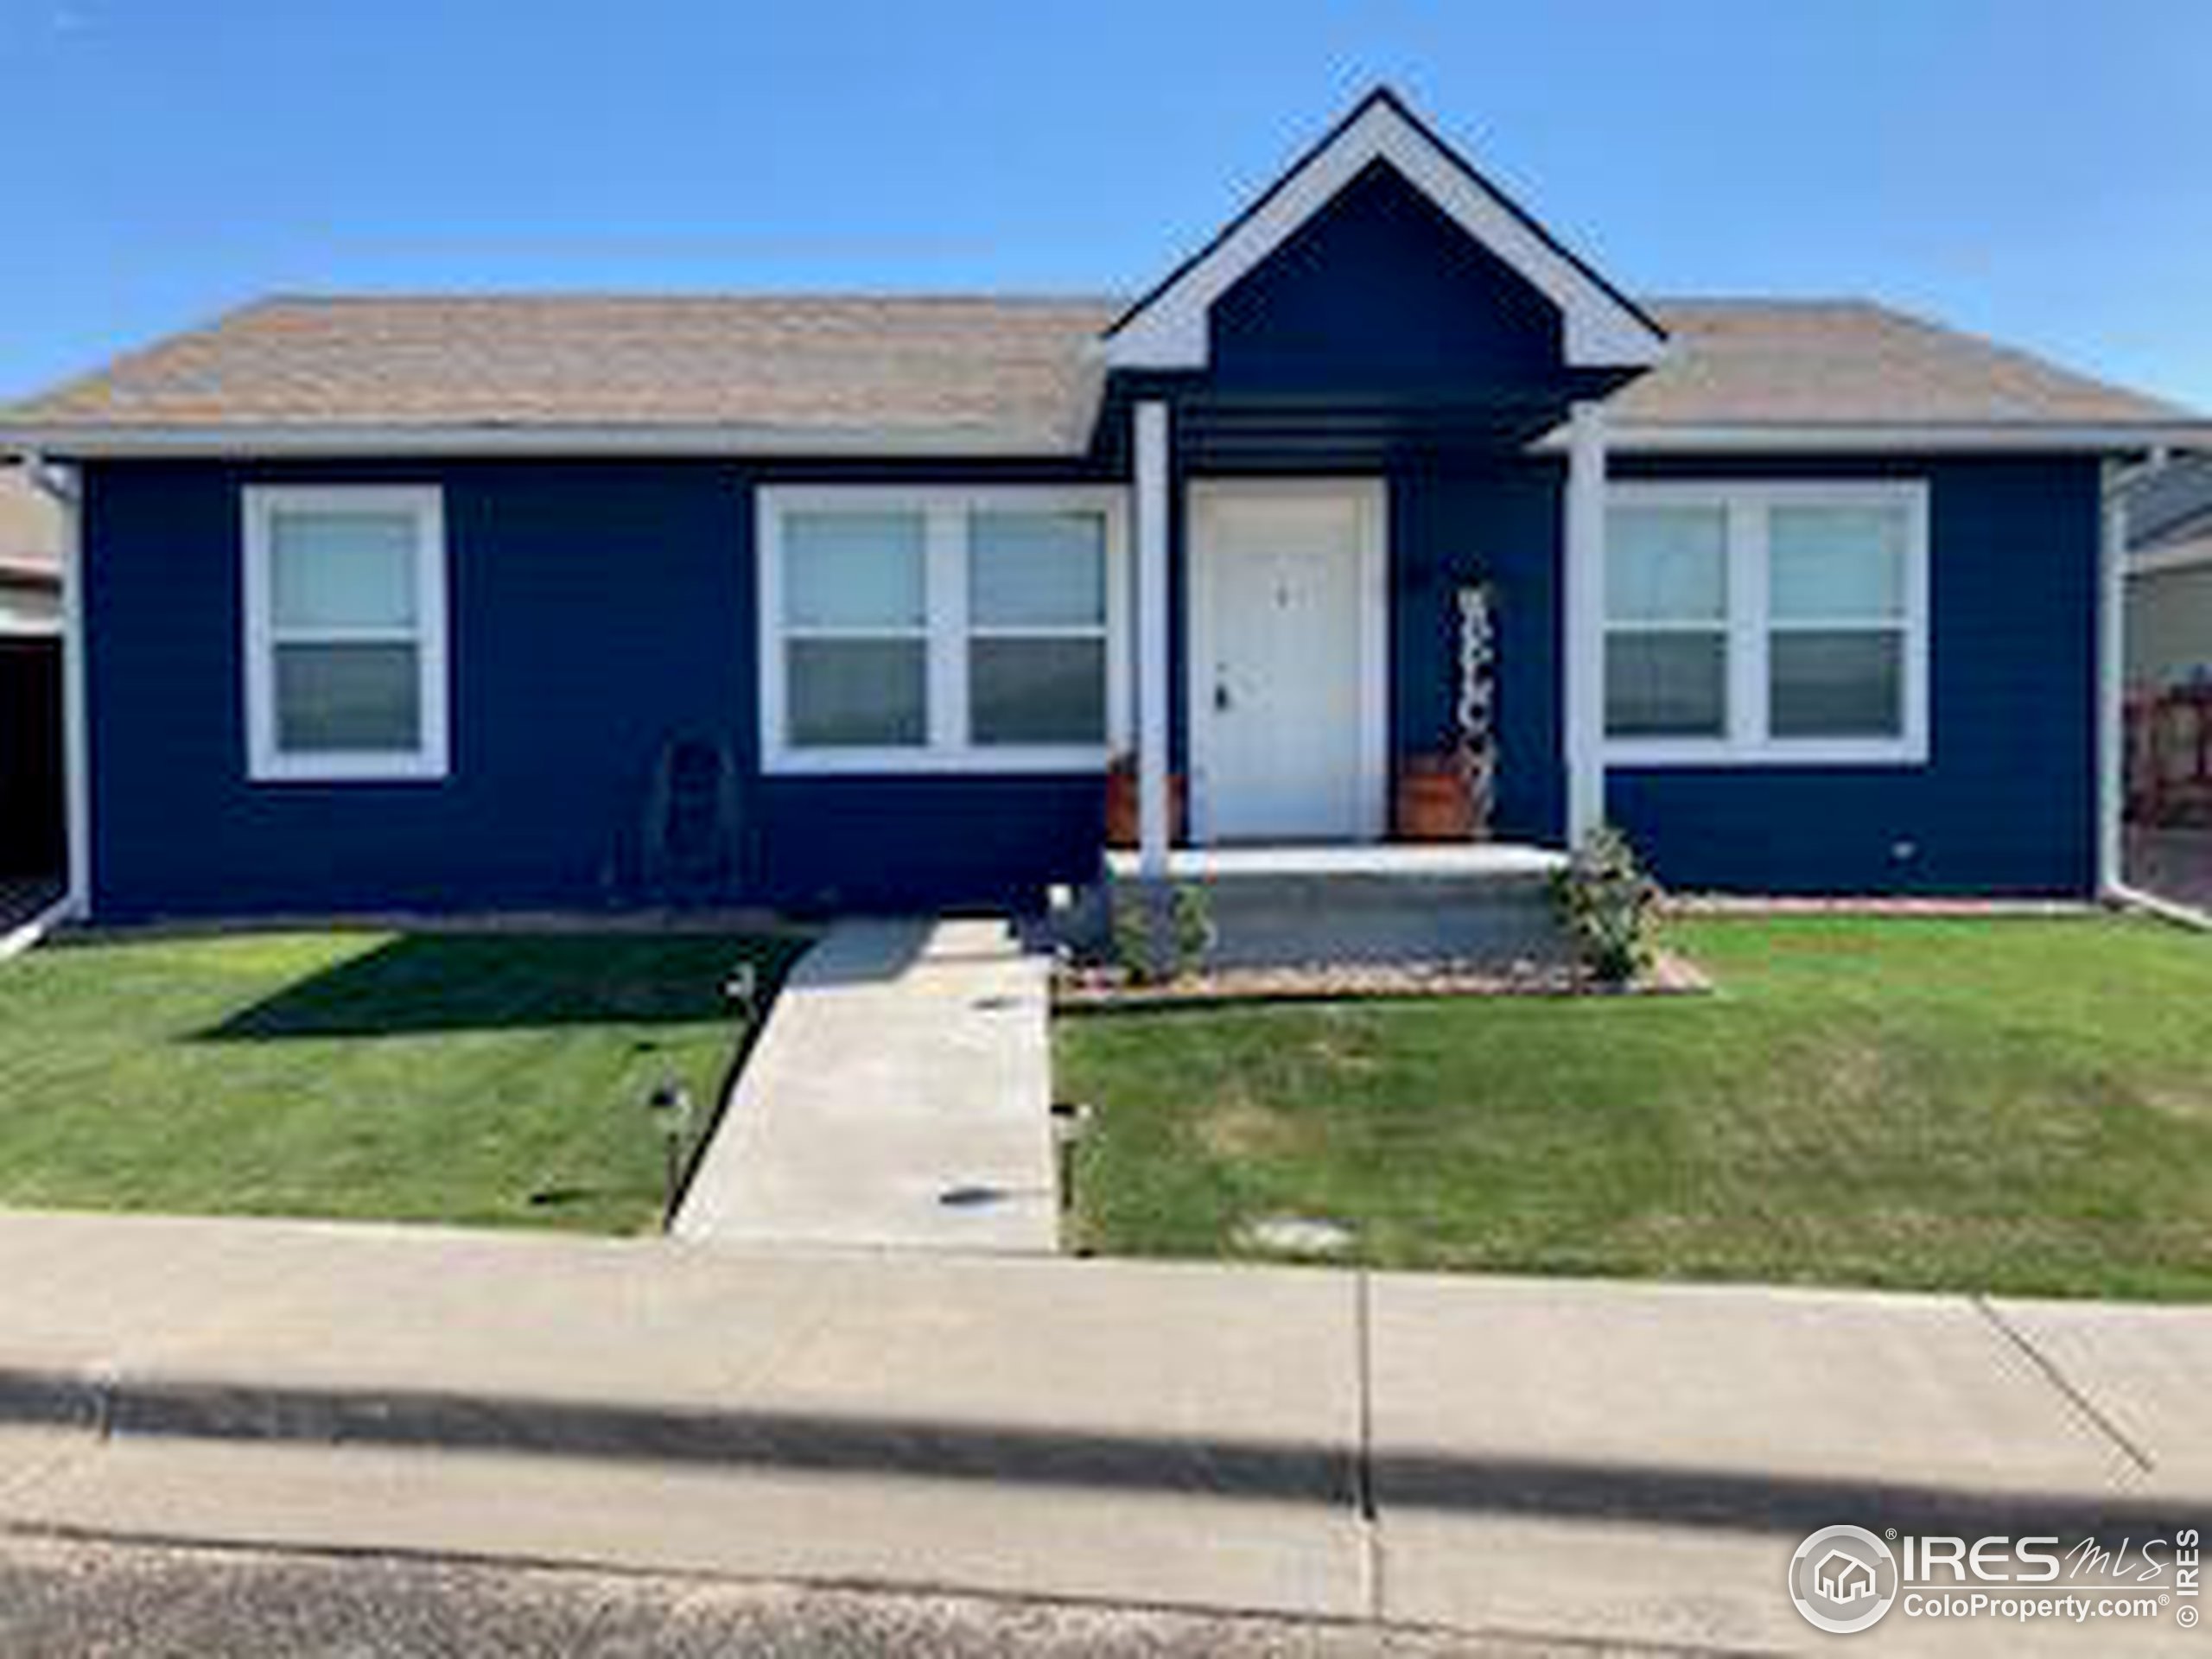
(1191, 912)
(1608, 903)
(1162, 934)
(1133, 938)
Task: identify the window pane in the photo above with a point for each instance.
(343, 699)
(1037, 568)
(853, 569)
(1666, 564)
(857, 693)
(343, 569)
(1836, 562)
(1835, 683)
(1667, 685)
(1037, 691)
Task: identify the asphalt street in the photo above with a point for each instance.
(71, 1599)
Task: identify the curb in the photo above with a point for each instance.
(116, 1406)
(112, 1407)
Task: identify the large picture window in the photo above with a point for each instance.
(344, 633)
(1766, 622)
(940, 629)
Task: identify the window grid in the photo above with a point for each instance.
(947, 630)
(268, 760)
(1749, 629)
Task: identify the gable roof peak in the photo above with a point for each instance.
(1167, 327)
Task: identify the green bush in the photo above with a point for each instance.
(1608, 906)
(1162, 934)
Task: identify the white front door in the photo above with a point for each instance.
(1286, 669)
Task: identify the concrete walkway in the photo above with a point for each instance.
(1579, 1461)
(900, 1096)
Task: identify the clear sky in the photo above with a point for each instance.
(2036, 170)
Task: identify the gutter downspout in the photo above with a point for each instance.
(2112, 679)
(63, 486)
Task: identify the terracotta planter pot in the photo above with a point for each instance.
(1433, 801)
(1121, 808)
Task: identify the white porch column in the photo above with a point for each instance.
(1585, 676)
(2112, 684)
(1151, 475)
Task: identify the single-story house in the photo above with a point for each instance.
(446, 602)
(2169, 578)
(30, 681)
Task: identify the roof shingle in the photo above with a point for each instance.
(1011, 373)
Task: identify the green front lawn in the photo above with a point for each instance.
(2006, 1104)
(493, 1078)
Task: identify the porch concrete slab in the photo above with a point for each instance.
(1623, 1462)
(900, 1096)
(2146, 1370)
(1500, 859)
(1302, 907)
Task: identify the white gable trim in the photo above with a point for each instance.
(1168, 330)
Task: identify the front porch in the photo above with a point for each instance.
(1302, 640)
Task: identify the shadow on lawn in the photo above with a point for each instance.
(428, 983)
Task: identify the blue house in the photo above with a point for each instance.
(411, 603)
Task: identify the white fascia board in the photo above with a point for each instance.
(1169, 330)
(1903, 437)
(324, 443)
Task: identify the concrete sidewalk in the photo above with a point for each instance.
(1578, 1460)
(900, 1096)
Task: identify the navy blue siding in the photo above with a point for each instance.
(599, 609)
(1498, 525)
(2007, 803)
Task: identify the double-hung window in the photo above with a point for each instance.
(346, 673)
(940, 629)
(1766, 623)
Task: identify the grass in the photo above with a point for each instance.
(486, 1079)
(2014, 1105)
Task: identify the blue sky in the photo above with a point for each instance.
(2039, 171)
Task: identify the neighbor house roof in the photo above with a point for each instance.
(951, 375)
(30, 534)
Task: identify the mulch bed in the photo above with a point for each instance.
(1079, 989)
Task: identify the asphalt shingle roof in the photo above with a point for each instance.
(1016, 373)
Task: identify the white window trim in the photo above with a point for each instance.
(1748, 743)
(943, 507)
(431, 759)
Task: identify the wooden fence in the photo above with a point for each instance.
(2170, 756)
